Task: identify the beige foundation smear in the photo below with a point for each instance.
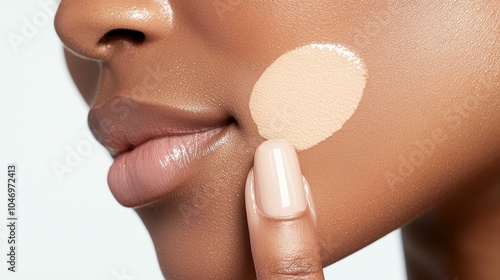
(307, 94)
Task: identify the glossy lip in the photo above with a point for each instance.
(157, 167)
(156, 148)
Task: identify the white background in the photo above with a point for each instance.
(73, 228)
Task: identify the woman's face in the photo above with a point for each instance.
(428, 116)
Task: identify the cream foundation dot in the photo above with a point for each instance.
(307, 94)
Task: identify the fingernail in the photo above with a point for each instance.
(278, 183)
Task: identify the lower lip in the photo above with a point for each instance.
(155, 168)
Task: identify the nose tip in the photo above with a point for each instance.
(97, 28)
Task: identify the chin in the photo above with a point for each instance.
(199, 230)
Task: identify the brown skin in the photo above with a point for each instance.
(433, 80)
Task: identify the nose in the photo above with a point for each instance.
(98, 28)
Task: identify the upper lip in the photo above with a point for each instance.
(121, 123)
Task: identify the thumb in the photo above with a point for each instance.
(281, 217)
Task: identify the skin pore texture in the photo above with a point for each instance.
(307, 94)
(421, 151)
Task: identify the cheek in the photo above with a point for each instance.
(258, 31)
(428, 121)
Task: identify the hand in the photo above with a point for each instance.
(281, 216)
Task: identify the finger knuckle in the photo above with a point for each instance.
(295, 266)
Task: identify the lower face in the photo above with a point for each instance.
(429, 115)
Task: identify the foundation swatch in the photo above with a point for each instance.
(307, 94)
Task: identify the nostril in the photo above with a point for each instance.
(122, 35)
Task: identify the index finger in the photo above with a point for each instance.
(281, 217)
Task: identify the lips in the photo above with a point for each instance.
(155, 148)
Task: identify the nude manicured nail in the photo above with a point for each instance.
(278, 180)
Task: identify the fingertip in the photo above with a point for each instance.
(279, 190)
(281, 216)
